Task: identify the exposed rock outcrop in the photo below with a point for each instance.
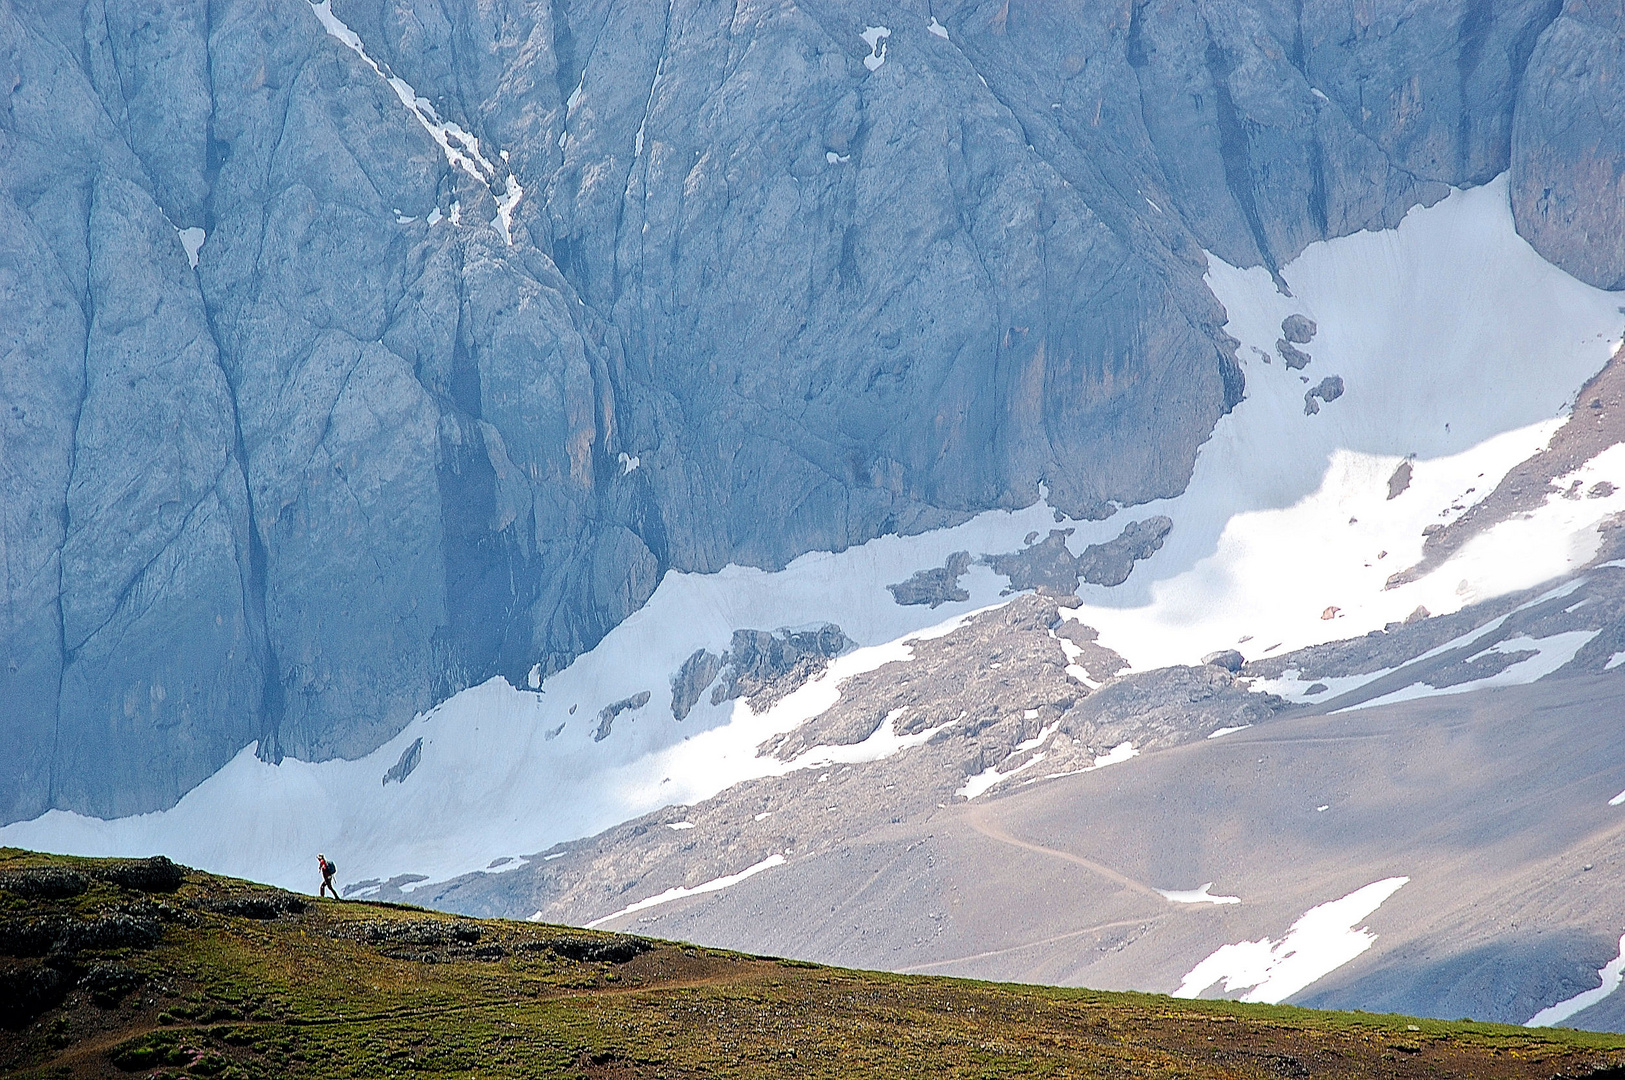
(935, 586)
(762, 667)
(1327, 389)
(1112, 562)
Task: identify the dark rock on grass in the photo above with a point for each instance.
(410, 932)
(60, 936)
(614, 950)
(257, 906)
(44, 882)
(155, 874)
(1298, 329)
(108, 982)
(28, 989)
(30, 937)
(118, 930)
(935, 586)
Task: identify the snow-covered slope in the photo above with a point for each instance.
(1458, 348)
(1457, 345)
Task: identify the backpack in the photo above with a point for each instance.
(332, 868)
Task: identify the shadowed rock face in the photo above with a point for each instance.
(759, 299)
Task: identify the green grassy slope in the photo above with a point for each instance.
(118, 968)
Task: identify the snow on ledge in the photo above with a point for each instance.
(192, 243)
(1197, 896)
(875, 37)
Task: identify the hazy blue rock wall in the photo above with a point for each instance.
(761, 297)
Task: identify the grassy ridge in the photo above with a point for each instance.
(126, 969)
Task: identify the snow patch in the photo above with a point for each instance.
(1228, 731)
(982, 781)
(628, 462)
(1617, 800)
(714, 885)
(1115, 756)
(680, 825)
(882, 743)
(875, 37)
(192, 243)
(1198, 896)
(1551, 653)
(1322, 940)
(1611, 974)
(1295, 688)
(937, 28)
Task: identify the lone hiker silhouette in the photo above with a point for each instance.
(328, 870)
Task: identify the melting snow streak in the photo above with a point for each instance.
(714, 885)
(461, 148)
(1612, 974)
(1321, 941)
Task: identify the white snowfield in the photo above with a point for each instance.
(1322, 940)
(1459, 349)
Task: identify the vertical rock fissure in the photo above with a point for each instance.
(1238, 169)
(1470, 35)
(63, 656)
(1297, 39)
(1317, 183)
(564, 52)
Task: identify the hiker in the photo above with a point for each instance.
(328, 870)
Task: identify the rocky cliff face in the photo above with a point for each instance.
(596, 289)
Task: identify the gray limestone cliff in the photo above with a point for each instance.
(709, 288)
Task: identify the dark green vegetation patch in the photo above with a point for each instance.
(157, 971)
